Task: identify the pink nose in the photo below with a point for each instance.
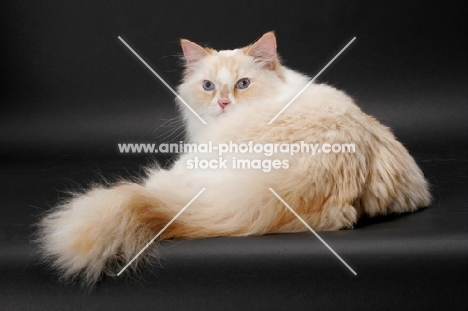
(223, 102)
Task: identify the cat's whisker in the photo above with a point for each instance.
(182, 133)
(176, 121)
(168, 134)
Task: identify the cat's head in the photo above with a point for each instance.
(215, 82)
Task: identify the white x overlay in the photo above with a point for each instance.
(201, 191)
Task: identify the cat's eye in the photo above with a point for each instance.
(208, 85)
(243, 83)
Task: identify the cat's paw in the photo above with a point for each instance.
(336, 218)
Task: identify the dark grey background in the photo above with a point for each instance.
(71, 87)
(71, 91)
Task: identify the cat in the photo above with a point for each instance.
(237, 92)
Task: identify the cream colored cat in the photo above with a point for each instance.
(237, 92)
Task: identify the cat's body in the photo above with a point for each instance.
(106, 226)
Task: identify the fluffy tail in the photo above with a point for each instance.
(102, 230)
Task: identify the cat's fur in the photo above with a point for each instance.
(100, 231)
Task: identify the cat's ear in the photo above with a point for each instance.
(264, 50)
(192, 52)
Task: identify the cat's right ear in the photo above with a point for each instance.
(192, 52)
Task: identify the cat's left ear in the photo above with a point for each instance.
(264, 50)
(192, 52)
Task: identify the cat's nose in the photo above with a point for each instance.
(223, 102)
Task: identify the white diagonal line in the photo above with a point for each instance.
(162, 230)
(162, 80)
(311, 81)
(313, 231)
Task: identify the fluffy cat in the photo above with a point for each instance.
(237, 92)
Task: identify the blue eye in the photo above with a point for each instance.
(243, 83)
(208, 85)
